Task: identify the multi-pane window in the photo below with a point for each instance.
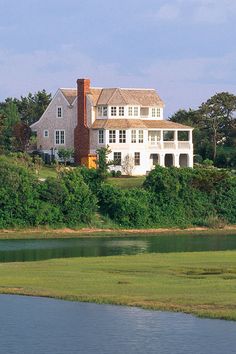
(113, 111)
(122, 136)
(60, 137)
(135, 111)
(137, 158)
(117, 158)
(112, 136)
(121, 111)
(102, 111)
(45, 134)
(140, 136)
(133, 136)
(101, 136)
(130, 111)
(156, 112)
(59, 112)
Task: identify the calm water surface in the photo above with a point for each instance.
(46, 326)
(32, 250)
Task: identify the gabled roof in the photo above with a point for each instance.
(137, 124)
(120, 96)
(70, 94)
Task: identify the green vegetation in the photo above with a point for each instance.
(16, 115)
(25, 201)
(199, 283)
(126, 182)
(169, 197)
(214, 129)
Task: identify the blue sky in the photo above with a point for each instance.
(183, 48)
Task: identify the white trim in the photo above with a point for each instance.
(59, 130)
(46, 130)
(57, 110)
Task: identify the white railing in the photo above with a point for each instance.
(183, 145)
(169, 145)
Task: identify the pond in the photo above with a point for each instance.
(47, 326)
(33, 250)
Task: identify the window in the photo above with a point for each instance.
(137, 158)
(60, 137)
(112, 136)
(121, 111)
(101, 136)
(59, 112)
(117, 158)
(113, 111)
(140, 136)
(156, 112)
(99, 111)
(122, 136)
(133, 136)
(102, 111)
(45, 133)
(130, 111)
(135, 111)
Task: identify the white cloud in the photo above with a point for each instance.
(168, 12)
(182, 83)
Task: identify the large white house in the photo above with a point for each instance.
(130, 121)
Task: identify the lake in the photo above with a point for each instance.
(47, 326)
(33, 250)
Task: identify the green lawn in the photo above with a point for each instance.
(47, 171)
(127, 182)
(201, 283)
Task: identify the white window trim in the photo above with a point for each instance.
(102, 135)
(59, 130)
(61, 112)
(44, 135)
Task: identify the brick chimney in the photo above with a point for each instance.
(81, 133)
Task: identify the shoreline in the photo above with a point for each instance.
(44, 233)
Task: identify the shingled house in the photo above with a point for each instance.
(130, 121)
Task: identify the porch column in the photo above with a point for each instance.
(176, 160)
(176, 138)
(190, 160)
(162, 160)
(161, 139)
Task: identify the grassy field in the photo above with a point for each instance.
(201, 283)
(127, 182)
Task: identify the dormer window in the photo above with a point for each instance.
(59, 112)
(135, 111)
(130, 111)
(102, 111)
(121, 111)
(113, 111)
(156, 112)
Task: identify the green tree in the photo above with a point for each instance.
(102, 162)
(65, 155)
(218, 117)
(9, 118)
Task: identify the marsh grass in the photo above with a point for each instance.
(202, 283)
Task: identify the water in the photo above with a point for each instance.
(33, 250)
(47, 326)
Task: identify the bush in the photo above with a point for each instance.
(127, 208)
(18, 195)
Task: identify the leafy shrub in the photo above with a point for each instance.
(127, 208)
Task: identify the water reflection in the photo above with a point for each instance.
(47, 326)
(32, 250)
